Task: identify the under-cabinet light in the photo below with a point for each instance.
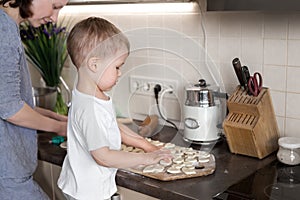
(134, 8)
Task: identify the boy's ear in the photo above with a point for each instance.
(92, 64)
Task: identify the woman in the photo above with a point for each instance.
(19, 120)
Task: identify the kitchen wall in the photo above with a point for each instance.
(172, 45)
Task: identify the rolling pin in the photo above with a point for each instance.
(148, 126)
(124, 120)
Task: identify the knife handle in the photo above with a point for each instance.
(246, 76)
(238, 70)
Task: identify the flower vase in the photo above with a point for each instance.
(60, 105)
(52, 98)
(45, 97)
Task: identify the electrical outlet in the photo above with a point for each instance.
(145, 85)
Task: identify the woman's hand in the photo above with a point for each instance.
(61, 120)
(62, 131)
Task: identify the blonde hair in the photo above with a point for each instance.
(94, 33)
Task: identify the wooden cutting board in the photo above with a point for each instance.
(201, 168)
(208, 169)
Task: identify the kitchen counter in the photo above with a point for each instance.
(230, 168)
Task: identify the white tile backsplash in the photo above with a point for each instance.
(229, 78)
(192, 27)
(292, 105)
(281, 125)
(276, 26)
(213, 48)
(157, 46)
(139, 21)
(292, 127)
(192, 50)
(265, 42)
(293, 79)
(230, 25)
(274, 77)
(252, 50)
(174, 45)
(211, 23)
(256, 68)
(155, 21)
(124, 22)
(293, 52)
(252, 25)
(278, 100)
(294, 26)
(173, 22)
(229, 48)
(275, 52)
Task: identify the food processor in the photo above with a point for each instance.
(202, 113)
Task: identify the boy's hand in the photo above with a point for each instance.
(148, 147)
(155, 156)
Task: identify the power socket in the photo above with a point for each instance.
(145, 85)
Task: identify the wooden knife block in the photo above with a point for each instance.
(250, 127)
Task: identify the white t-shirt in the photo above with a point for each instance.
(91, 125)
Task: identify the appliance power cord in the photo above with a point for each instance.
(157, 89)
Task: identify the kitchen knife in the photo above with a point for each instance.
(246, 76)
(238, 70)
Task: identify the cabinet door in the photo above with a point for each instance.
(58, 194)
(43, 176)
(46, 175)
(127, 194)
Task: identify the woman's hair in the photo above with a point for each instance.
(95, 36)
(24, 6)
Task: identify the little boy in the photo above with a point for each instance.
(98, 50)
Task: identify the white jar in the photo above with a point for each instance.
(289, 150)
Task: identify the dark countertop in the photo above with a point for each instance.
(230, 168)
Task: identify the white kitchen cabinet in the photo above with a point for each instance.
(127, 194)
(43, 177)
(47, 174)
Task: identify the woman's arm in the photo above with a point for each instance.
(51, 114)
(29, 118)
(131, 138)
